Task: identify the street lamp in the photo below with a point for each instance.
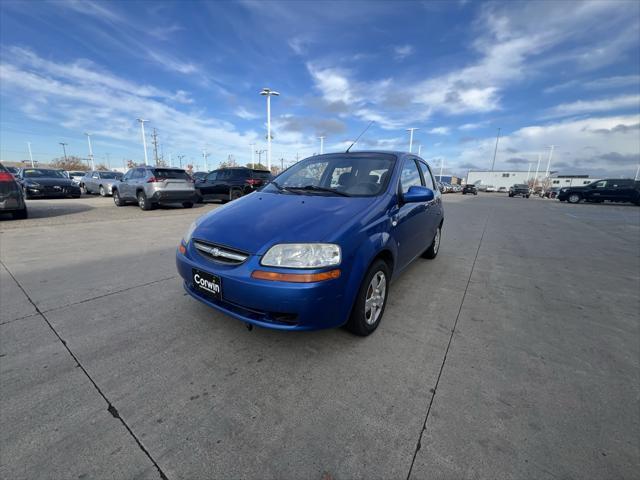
(30, 154)
(495, 151)
(64, 149)
(93, 165)
(267, 92)
(411, 130)
(144, 140)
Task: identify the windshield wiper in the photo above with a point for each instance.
(280, 188)
(316, 188)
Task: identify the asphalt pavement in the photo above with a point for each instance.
(514, 354)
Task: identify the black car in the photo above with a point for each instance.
(519, 189)
(47, 182)
(230, 183)
(11, 198)
(611, 189)
(197, 176)
(470, 188)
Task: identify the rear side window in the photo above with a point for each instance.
(165, 173)
(426, 173)
(240, 173)
(261, 175)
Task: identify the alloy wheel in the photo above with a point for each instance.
(374, 300)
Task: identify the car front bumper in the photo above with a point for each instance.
(269, 304)
(52, 192)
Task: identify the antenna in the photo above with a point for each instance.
(356, 140)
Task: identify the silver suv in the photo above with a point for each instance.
(150, 187)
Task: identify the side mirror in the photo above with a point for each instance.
(418, 194)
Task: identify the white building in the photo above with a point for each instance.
(507, 178)
(499, 178)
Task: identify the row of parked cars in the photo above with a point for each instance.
(146, 186)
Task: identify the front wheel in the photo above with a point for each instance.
(433, 249)
(116, 199)
(574, 198)
(103, 192)
(371, 300)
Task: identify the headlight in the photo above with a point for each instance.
(187, 236)
(302, 255)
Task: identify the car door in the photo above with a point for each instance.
(433, 207)
(621, 190)
(598, 191)
(409, 219)
(95, 181)
(126, 191)
(221, 184)
(206, 185)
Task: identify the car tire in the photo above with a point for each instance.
(234, 195)
(574, 198)
(187, 204)
(526, 196)
(463, 193)
(434, 248)
(476, 193)
(20, 214)
(371, 300)
(117, 200)
(143, 201)
(83, 189)
(103, 192)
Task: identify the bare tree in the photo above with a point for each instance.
(70, 163)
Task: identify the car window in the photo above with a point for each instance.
(166, 173)
(212, 176)
(426, 173)
(410, 176)
(138, 173)
(337, 175)
(623, 183)
(96, 175)
(261, 175)
(42, 173)
(239, 173)
(601, 184)
(311, 174)
(224, 175)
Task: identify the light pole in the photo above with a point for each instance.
(64, 149)
(267, 92)
(441, 167)
(205, 155)
(411, 130)
(30, 154)
(528, 172)
(419, 149)
(253, 157)
(551, 147)
(637, 173)
(180, 157)
(495, 151)
(260, 152)
(321, 145)
(93, 165)
(535, 180)
(144, 140)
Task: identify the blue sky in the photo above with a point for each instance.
(561, 73)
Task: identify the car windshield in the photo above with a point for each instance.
(43, 173)
(111, 175)
(358, 175)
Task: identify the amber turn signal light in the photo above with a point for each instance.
(182, 249)
(296, 277)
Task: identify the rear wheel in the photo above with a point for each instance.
(574, 198)
(234, 195)
(371, 300)
(433, 249)
(143, 201)
(116, 199)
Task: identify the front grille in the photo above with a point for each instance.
(219, 253)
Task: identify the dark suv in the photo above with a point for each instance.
(230, 183)
(519, 189)
(612, 189)
(470, 188)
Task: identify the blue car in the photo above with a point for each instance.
(319, 245)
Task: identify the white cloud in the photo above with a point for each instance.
(245, 114)
(440, 131)
(598, 105)
(472, 126)
(605, 83)
(403, 51)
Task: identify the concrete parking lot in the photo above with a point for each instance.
(514, 354)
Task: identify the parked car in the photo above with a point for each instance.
(340, 228)
(149, 187)
(519, 189)
(100, 182)
(611, 189)
(469, 188)
(76, 175)
(490, 188)
(481, 188)
(502, 190)
(199, 175)
(552, 192)
(440, 186)
(229, 184)
(46, 182)
(11, 196)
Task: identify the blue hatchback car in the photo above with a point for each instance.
(319, 245)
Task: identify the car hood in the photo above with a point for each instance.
(50, 182)
(259, 220)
